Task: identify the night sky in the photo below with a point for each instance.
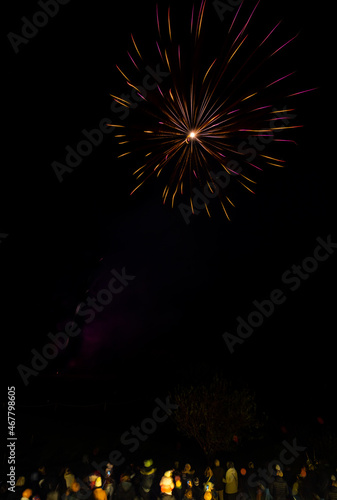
(191, 282)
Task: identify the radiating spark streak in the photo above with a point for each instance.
(174, 195)
(133, 60)
(262, 135)
(124, 154)
(211, 110)
(211, 188)
(191, 98)
(192, 18)
(161, 55)
(158, 24)
(174, 116)
(227, 63)
(224, 209)
(138, 186)
(139, 176)
(280, 79)
(191, 203)
(135, 45)
(202, 111)
(255, 130)
(121, 101)
(200, 18)
(110, 125)
(128, 79)
(285, 140)
(282, 46)
(230, 171)
(133, 86)
(236, 15)
(249, 19)
(275, 165)
(209, 69)
(283, 128)
(263, 107)
(169, 23)
(244, 185)
(280, 118)
(167, 61)
(302, 92)
(283, 110)
(140, 168)
(235, 51)
(271, 158)
(155, 168)
(272, 31)
(247, 178)
(248, 97)
(255, 166)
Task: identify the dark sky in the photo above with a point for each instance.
(191, 281)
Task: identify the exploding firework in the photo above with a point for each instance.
(200, 117)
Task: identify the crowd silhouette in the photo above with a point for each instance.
(312, 481)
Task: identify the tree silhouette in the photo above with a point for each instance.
(215, 414)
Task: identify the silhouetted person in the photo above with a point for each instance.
(279, 488)
(332, 492)
(125, 489)
(231, 481)
(218, 476)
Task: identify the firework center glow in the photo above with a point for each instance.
(192, 135)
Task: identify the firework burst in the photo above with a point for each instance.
(199, 118)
